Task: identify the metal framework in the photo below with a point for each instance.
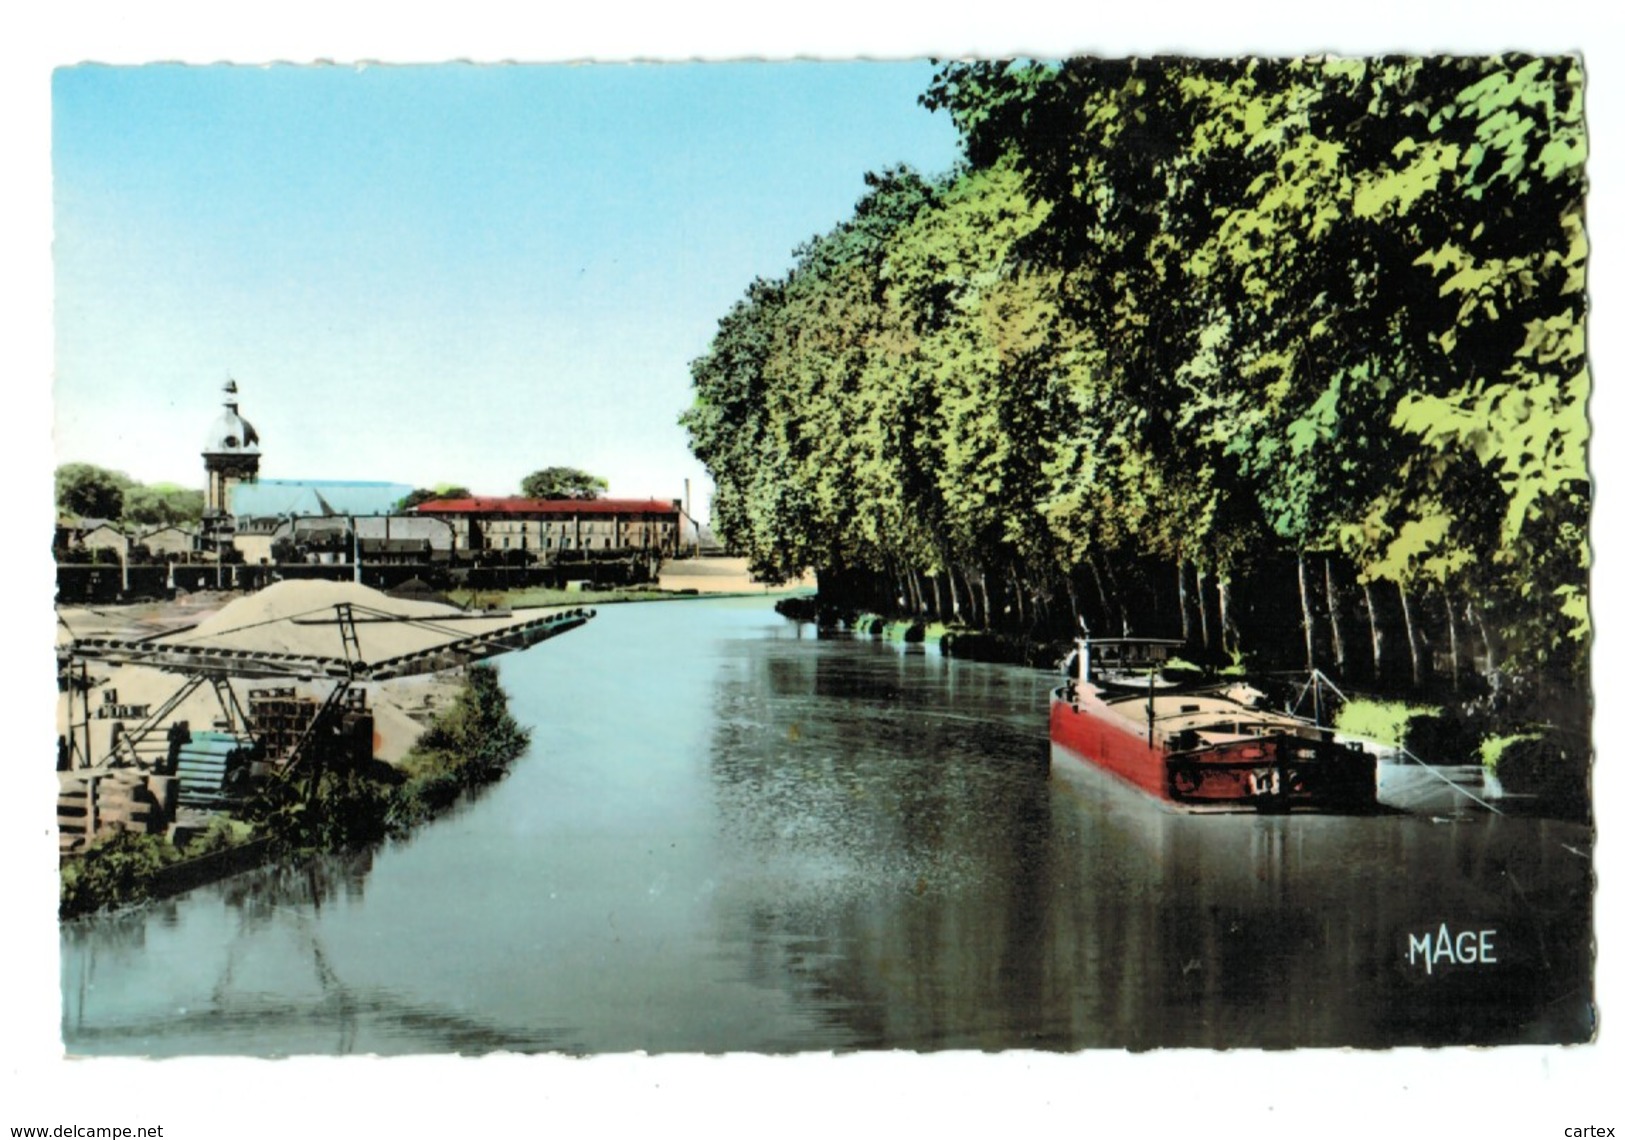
(216, 666)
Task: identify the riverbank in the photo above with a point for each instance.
(1537, 766)
(711, 575)
(704, 577)
(952, 639)
(470, 742)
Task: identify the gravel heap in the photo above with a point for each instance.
(298, 617)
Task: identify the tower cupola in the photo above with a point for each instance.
(231, 434)
(231, 455)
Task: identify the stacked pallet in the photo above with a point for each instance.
(280, 719)
(124, 799)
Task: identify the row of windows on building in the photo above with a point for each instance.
(596, 535)
(524, 543)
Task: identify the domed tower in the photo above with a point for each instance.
(230, 456)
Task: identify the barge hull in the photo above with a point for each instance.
(1275, 771)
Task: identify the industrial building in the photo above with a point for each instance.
(547, 527)
(255, 531)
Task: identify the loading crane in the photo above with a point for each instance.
(201, 663)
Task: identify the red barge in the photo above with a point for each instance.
(1208, 748)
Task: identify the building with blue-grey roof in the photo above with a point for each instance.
(282, 498)
(247, 512)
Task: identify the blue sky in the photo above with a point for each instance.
(438, 273)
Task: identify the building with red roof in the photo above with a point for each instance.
(549, 527)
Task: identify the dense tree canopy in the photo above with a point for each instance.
(1192, 344)
(84, 490)
(163, 504)
(562, 483)
(87, 491)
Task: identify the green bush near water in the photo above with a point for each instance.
(1494, 747)
(222, 833)
(116, 869)
(470, 744)
(869, 625)
(1551, 767)
(1386, 722)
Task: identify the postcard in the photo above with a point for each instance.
(1066, 567)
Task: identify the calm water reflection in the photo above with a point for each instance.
(729, 835)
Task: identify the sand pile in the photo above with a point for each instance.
(312, 597)
(299, 617)
(140, 619)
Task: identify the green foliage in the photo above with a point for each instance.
(1494, 747)
(1213, 312)
(562, 483)
(116, 869)
(1383, 721)
(222, 834)
(84, 490)
(162, 504)
(471, 743)
(428, 495)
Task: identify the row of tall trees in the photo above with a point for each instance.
(1283, 355)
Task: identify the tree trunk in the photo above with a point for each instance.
(1339, 653)
(1229, 635)
(936, 596)
(1184, 604)
(953, 592)
(1484, 635)
(1455, 646)
(1410, 637)
(1308, 616)
(1376, 632)
(987, 605)
(1125, 620)
(1201, 607)
(1021, 605)
(1100, 588)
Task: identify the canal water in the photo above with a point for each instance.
(730, 835)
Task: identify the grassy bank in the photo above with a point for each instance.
(470, 744)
